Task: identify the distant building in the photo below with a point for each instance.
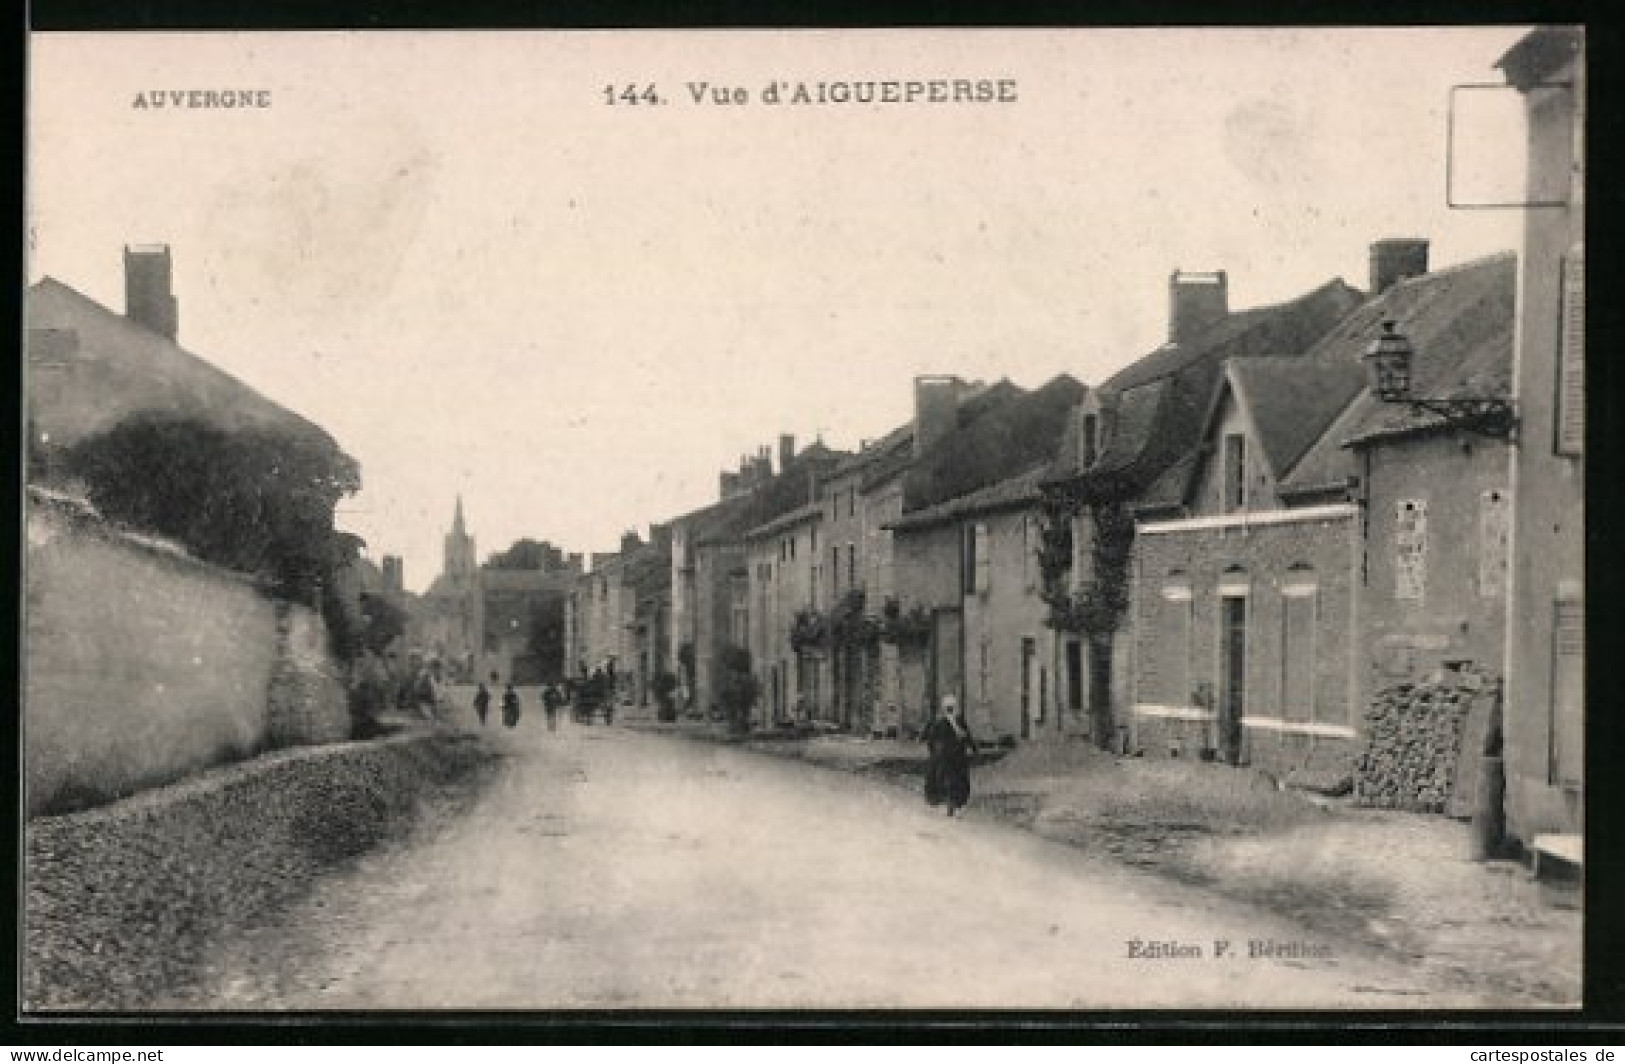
(450, 623)
(477, 620)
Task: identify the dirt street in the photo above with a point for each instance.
(605, 868)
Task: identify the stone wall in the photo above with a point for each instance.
(123, 904)
(143, 665)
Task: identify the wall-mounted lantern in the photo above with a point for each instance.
(1389, 361)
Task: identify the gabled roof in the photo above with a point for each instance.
(1012, 493)
(1011, 432)
(1292, 401)
(1460, 323)
(1288, 403)
(1153, 410)
(190, 384)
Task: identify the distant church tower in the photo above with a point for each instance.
(459, 560)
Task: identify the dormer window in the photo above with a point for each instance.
(1089, 440)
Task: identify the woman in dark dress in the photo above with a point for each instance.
(947, 770)
(510, 706)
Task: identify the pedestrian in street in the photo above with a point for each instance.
(550, 703)
(510, 705)
(947, 768)
(427, 695)
(482, 702)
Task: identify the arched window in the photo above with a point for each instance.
(1174, 634)
(1300, 617)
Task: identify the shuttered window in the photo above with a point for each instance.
(983, 569)
(1235, 472)
(1299, 612)
(1568, 691)
(1571, 359)
(1173, 661)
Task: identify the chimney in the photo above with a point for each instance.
(630, 541)
(787, 450)
(936, 408)
(573, 563)
(1195, 302)
(394, 577)
(148, 292)
(1396, 259)
(727, 484)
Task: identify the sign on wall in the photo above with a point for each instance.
(1494, 521)
(1410, 549)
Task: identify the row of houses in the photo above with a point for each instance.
(1222, 551)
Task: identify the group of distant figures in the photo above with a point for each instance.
(552, 699)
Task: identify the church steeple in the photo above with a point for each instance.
(459, 546)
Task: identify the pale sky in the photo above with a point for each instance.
(451, 253)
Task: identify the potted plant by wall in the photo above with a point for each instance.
(738, 690)
(665, 687)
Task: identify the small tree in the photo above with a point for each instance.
(382, 622)
(738, 690)
(257, 500)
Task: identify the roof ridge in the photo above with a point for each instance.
(123, 321)
(1453, 270)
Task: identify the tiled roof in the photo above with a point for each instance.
(1460, 323)
(899, 438)
(1293, 400)
(1012, 432)
(795, 517)
(1154, 409)
(190, 384)
(787, 491)
(1014, 492)
(1169, 490)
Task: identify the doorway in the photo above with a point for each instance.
(1029, 664)
(1232, 675)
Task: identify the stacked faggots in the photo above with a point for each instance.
(1415, 736)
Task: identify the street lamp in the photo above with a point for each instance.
(1389, 361)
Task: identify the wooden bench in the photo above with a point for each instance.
(1568, 850)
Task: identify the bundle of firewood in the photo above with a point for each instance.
(1414, 741)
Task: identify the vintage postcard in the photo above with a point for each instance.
(1067, 519)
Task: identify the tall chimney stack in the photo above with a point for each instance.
(1196, 301)
(787, 450)
(1395, 260)
(936, 409)
(149, 298)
